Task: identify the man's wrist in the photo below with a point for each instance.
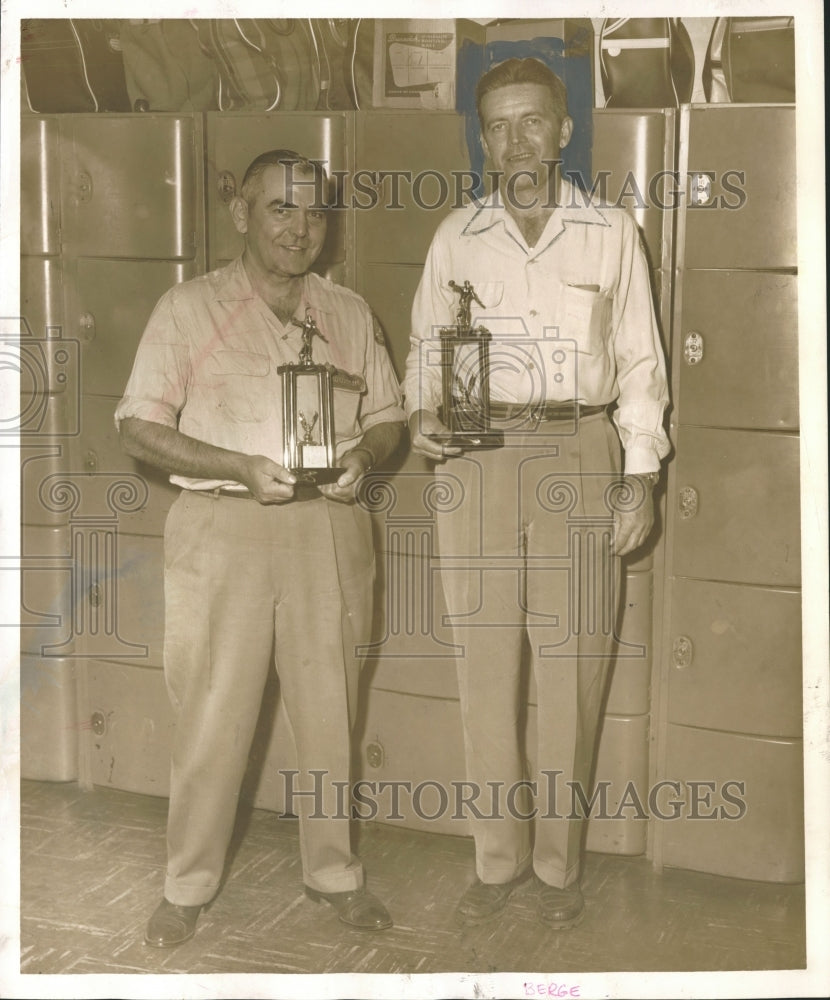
(651, 479)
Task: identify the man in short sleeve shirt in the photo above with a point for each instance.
(258, 567)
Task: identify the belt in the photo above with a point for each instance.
(224, 491)
(566, 410)
(301, 492)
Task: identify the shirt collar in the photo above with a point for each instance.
(575, 207)
(232, 284)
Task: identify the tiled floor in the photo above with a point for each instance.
(92, 866)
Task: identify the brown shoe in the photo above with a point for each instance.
(171, 924)
(484, 900)
(357, 908)
(560, 908)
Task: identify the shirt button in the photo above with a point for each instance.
(533, 312)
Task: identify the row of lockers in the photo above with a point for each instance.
(132, 186)
(730, 669)
(89, 589)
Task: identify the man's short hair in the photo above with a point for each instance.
(275, 157)
(528, 70)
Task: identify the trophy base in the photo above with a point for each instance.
(479, 440)
(317, 477)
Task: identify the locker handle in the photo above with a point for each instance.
(693, 348)
(86, 322)
(83, 187)
(682, 652)
(701, 189)
(688, 502)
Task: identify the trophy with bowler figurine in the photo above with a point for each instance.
(308, 411)
(465, 378)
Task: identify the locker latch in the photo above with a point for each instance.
(83, 190)
(227, 186)
(700, 189)
(375, 755)
(688, 501)
(682, 651)
(693, 348)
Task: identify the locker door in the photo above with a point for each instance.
(111, 303)
(130, 186)
(431, 154)
(742, 161)
(764, 838)
(737, 507)
(736, 661)
(738, 364)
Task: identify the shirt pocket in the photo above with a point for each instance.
(585, 317)
(238, 382)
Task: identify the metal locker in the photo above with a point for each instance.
(40, 158)
(49, 727)
(740, 188)
(100, 454)
(46, 459)
(431, 156)
(631, 156)
(738, 340)
(235, 139)
(41, 297)
(735, 658)
(746, 792)
(390, 290)
(620, 775)
(392, 747)
(110, 305)
(629, 686)
(128, 728)
(46, 595)
(737, 506)
(130, 185)
(120, 593)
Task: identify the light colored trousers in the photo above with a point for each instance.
(525, 561)
(247, 586)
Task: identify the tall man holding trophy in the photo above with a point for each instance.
(266, 392)
(535, 354)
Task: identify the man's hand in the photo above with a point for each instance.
(422, 424)
(355, 466)
(633, 523)
(268, 481)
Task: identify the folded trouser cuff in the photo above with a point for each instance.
(188, 895)
(556, 877)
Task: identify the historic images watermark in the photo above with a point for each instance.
(545, 799)
(434, 190)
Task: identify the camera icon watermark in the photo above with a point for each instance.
(46, 367)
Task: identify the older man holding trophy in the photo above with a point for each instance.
(266, 392)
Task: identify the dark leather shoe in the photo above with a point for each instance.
(485, 899)
(171, 925)
(560, 908)
(357, 908)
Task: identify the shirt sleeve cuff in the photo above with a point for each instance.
(144, 409)
(641, 460)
